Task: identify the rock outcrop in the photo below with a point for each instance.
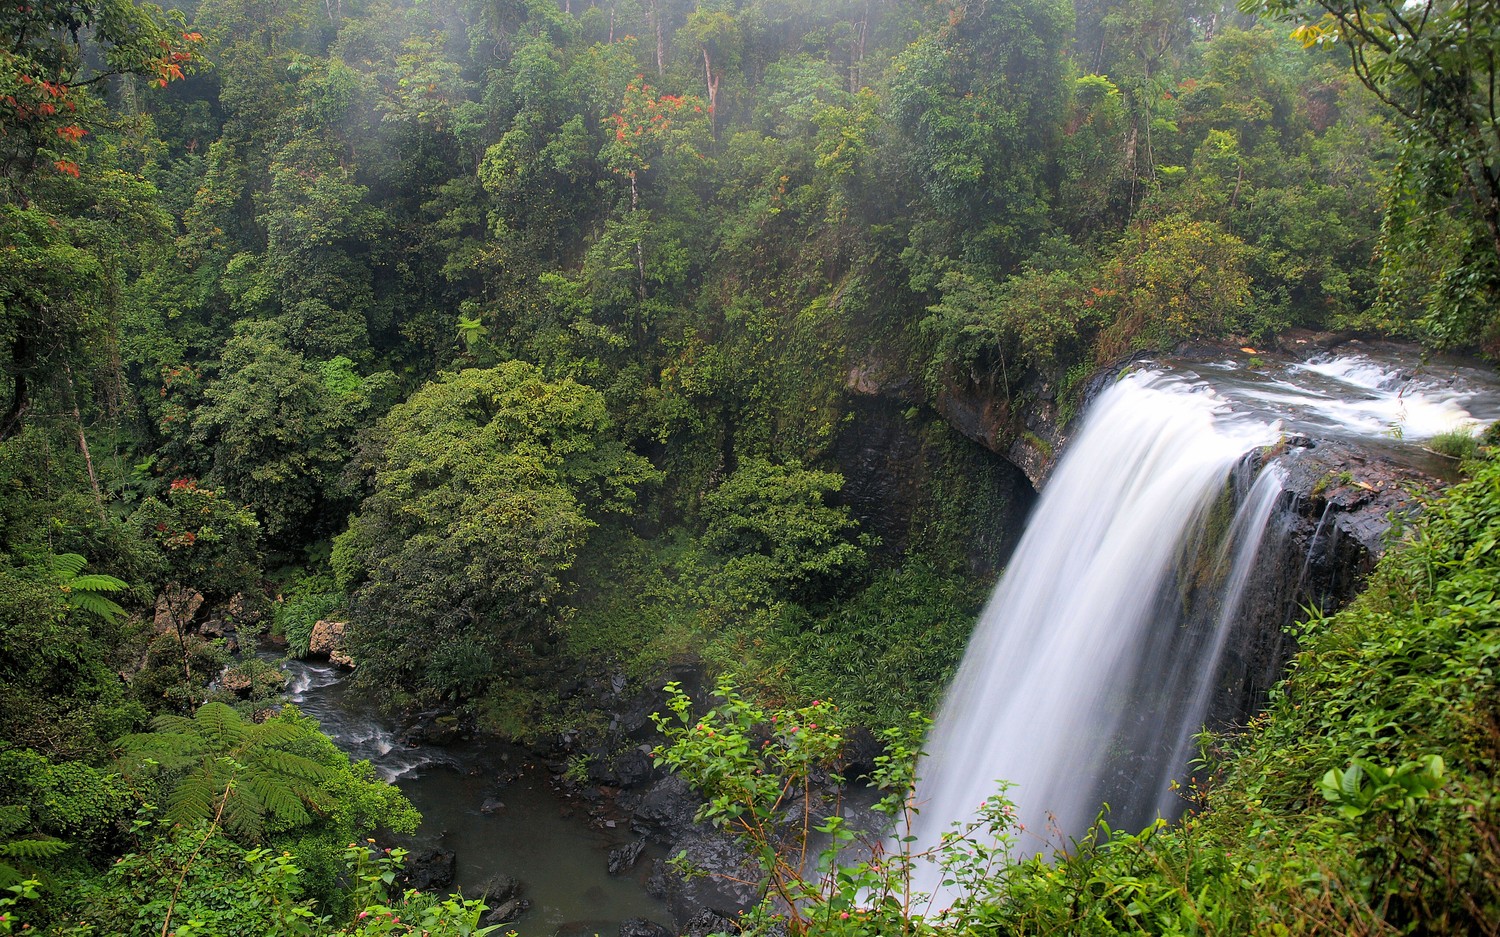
(327, 641)
(177, 608)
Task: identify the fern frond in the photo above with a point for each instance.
(280, 801)
(276, 733)
(219, 725)
(245, 813)
(30, 850)
(294, 766)
(196, 797)
(12, 818)
(174, 724)
(96, 605)
(170, 750)
(66, 565)
(96, 582)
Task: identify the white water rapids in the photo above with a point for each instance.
(1090, 669)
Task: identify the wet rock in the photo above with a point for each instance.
(640, 927)
(445, 729)
(707, 922)
(242, 610)
(1335, 517)
(893, 456)
(633, 768)
(236, 681)
(500, 889)
(491, 805)
(719, 880)
(430, 869)
(861, 748)
(623, 858)
(667, 810)
(506, 912)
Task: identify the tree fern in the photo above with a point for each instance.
(240, 772)
(85, 593)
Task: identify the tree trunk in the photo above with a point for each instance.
(83, 442)
(661, 38)
(712, 81)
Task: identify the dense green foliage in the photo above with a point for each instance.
(520, 332)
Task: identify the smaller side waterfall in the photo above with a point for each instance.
(1089, 670)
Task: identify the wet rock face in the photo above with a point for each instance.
(725, 886)
(327, 641)
(1331, 526)
(893, 457)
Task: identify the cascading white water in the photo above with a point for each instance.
(1070, 669)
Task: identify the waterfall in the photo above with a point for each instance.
(1090, 669)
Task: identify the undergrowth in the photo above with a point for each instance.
(646, 604)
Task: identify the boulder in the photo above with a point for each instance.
(640, 927)
(241, 610)
(327, 637)
(505, 912)
(236, 681)
(861, 749)
(721, 878)
(707, 922)
(667, 809)
(633, 767)
(500, 889)
(176, 608)
(430, 869)
(623, 858)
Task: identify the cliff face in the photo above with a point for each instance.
(1336, 513)
(918, 482)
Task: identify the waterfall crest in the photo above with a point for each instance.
(1086, 676)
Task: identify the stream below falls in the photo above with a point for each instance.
(495, 807)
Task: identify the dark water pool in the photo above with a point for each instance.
(499, 813)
